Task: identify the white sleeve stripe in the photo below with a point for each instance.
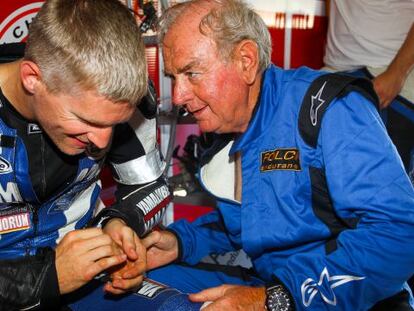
(142, 170)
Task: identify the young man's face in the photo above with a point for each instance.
(74, 122)
(211, 89)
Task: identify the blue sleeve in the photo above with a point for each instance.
(204, 236)
(366, 179)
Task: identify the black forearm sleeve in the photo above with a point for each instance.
(29, 283)
(141, 207)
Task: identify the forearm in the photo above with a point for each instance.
(141, 207)
(30, 282)
(137, 166)
(202, 237)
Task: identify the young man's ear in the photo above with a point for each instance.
(30, 75)
(247, 54)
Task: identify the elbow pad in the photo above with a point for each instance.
(141, 209)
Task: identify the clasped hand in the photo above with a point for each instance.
(83, 254)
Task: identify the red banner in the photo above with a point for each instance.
(15, 18)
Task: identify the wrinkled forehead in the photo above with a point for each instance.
(184, 42)
(187, 47)
(187, 22)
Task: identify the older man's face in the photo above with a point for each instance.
(211, 89)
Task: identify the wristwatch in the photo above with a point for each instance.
(278, 299)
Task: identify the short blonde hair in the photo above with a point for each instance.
(92, 44)
(228, 23)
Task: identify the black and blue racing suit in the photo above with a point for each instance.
(45, 194)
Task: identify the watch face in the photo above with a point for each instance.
(277, 300)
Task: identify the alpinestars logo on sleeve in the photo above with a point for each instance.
(324, 287)
(317, 102)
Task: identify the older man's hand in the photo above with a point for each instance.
(232, 297)
(130, 274)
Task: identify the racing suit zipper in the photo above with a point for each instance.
(35, 220)
(43, 188)
(33, 208)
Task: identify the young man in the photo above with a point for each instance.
(66, 107)
(326, 218)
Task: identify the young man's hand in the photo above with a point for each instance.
(82, 254)
(130, 274)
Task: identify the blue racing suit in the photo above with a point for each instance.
(288, 236)
(45, 194)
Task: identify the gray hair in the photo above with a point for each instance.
(90, 45)
(228, 23)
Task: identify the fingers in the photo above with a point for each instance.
(162, 248)
(231, 297)
(163, 240)
(136, 253)
(127, 278)
(82, 234)
(129, 275)
(125, 237)
(110, 289)
(82, 254)
(126, 284)
(139, 266)
(103, 264)
(130, 270)
(129, 242)
(210, 294)
(94, 247)
(151, 239)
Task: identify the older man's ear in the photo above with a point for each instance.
(246, 54)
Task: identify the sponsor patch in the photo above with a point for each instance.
(280, 159)
(15, 222)
(33, 128)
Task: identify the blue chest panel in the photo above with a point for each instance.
(276, 210)
(26, 223)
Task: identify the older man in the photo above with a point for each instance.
(324, 209)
